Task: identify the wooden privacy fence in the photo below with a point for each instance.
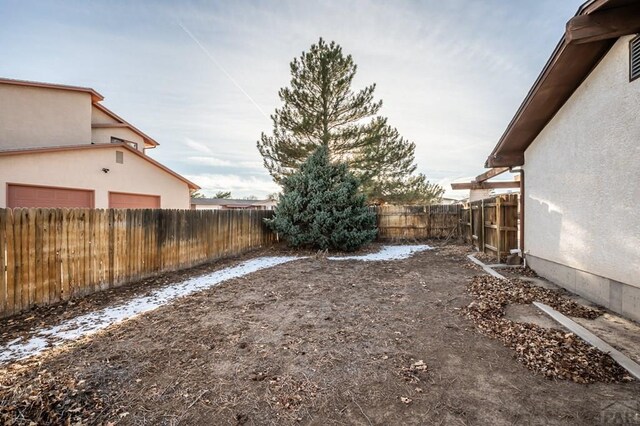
(51, 255)
(492, 224)
(418, 222)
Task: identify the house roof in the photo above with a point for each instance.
(150, 142)
(230, 202)
(95, 96)
(27, 151)
(95, 99)
(588, 37)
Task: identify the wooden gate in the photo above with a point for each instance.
(491, 225)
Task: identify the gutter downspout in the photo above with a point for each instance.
(521, 198)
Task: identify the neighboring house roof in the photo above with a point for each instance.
(228, 202)
(95, 96)
(588, 37)
(95, 99)
(98, 146)
(123, 123)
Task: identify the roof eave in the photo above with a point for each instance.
(568, 66)
(95, 96)
(148, 140)
(40, 150)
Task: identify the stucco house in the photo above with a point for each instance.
(231, 204)
(60, 147)
(576, 137)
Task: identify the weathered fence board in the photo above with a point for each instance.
(52, 255)
(492, 224)
(418, 222)
(49, 255)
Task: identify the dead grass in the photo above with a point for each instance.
(312, 342)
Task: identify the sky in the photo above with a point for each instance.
(202, 77)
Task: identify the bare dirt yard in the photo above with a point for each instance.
(313, 341)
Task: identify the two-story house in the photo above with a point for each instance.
(60, 147)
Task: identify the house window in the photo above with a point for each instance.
(119, 157)
(133, 145)
(634, 58)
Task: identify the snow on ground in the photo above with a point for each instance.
(387, 253)
(91, 323)
(88, 324)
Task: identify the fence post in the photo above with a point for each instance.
(498, 223)
(471, 222)
(482, 225)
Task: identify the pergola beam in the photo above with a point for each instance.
(486, 185)
(491, 173)
(604, 25)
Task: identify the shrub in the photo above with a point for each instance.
(322, 208)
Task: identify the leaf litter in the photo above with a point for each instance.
(554, 353)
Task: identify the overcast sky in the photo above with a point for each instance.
(451, 73)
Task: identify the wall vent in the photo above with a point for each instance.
(634, 58)
(119, 157)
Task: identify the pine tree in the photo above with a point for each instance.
(387, 171)
(321, 207)
(321, 109)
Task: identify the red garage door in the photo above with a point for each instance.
(121, 200)
(46, 196)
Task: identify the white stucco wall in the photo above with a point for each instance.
(82, 169)
(35, 117)
(582, 177)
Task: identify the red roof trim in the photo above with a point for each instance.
(98, 146)
(116, 117)
(95, 96)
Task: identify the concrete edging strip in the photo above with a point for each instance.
(487, 269)
(624, 361)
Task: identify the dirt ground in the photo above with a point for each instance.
(314, 341)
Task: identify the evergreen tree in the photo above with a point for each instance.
(321, 109)
(321, 207)
(222, 194)
(387, 171)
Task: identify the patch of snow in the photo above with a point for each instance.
(387, 253)
(93, 322)
(88, 324)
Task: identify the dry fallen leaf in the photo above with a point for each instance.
(550, 352)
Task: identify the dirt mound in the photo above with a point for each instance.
(550, 352)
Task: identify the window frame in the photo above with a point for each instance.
(632, 42)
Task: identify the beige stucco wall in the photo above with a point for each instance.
(100, 117)
(82, 169)
(104, 134)
(582, 177)
(208, 207)
(35, 117)
(479, 194)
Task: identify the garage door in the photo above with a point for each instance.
(121, 200)
(45, 196)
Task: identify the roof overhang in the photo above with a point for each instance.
(121, 122)
(486, 185)
(588, 37)
(95, 96)
(148, 159)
